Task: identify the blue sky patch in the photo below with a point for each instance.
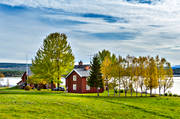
(60, 22)
(143, 1)
(116, 36)
(12, 9)
(107, 18)
(155, 26)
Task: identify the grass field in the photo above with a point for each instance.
(20, 104)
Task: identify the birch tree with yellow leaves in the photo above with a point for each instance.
(106, 72)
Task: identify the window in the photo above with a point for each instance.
(87, 87)
(74, 86)
(74, 78)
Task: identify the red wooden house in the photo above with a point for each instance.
(76, 80)
(23, 82)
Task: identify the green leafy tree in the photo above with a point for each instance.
(95, 79)
(102, 54)
(53, 59)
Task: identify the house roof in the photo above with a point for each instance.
(80, 69)
(82, 72)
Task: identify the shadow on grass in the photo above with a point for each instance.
(141, 109)
(62, 93)
(16, 92)
(112, 99)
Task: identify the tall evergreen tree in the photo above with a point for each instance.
(95, 79)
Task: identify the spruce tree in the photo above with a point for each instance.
(95, 79)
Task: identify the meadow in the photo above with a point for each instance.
(20, 104)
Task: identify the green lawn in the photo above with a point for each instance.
(20, 104)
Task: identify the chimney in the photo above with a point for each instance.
(80, 63)
(86, 67)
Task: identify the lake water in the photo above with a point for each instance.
(176, 87)
(14, 80)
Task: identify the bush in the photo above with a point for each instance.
(165, 94)
(170, 94)
(175, 95)
(121, 91)
(153, 95)
(28, 88)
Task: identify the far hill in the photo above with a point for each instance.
(13, 66)
(13, 69)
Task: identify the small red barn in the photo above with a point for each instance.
(23, 82)
(76, 80)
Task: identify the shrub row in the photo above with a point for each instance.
(170, 94)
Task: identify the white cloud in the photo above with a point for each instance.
(158, 25)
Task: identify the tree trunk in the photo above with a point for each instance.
(131, 92)
(52, 85)
(119, 88)
(164, 90)
(141, 91)
(136, 92)
(114, 92)
(125, 91)
(150, 91)
(108, 87)
(159, 91)
(97, 92)
(108, 90)
(58, 84)
(146, 91)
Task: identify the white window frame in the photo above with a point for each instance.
(74, 87)
(74, 78)
(88, 87)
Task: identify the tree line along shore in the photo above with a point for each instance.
(55, 59)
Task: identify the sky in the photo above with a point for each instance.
(134, 27)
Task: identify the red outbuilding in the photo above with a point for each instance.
(76, 80)
(23, 82)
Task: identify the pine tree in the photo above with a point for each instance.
(95, 79)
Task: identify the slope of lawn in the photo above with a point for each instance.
(20, 104)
